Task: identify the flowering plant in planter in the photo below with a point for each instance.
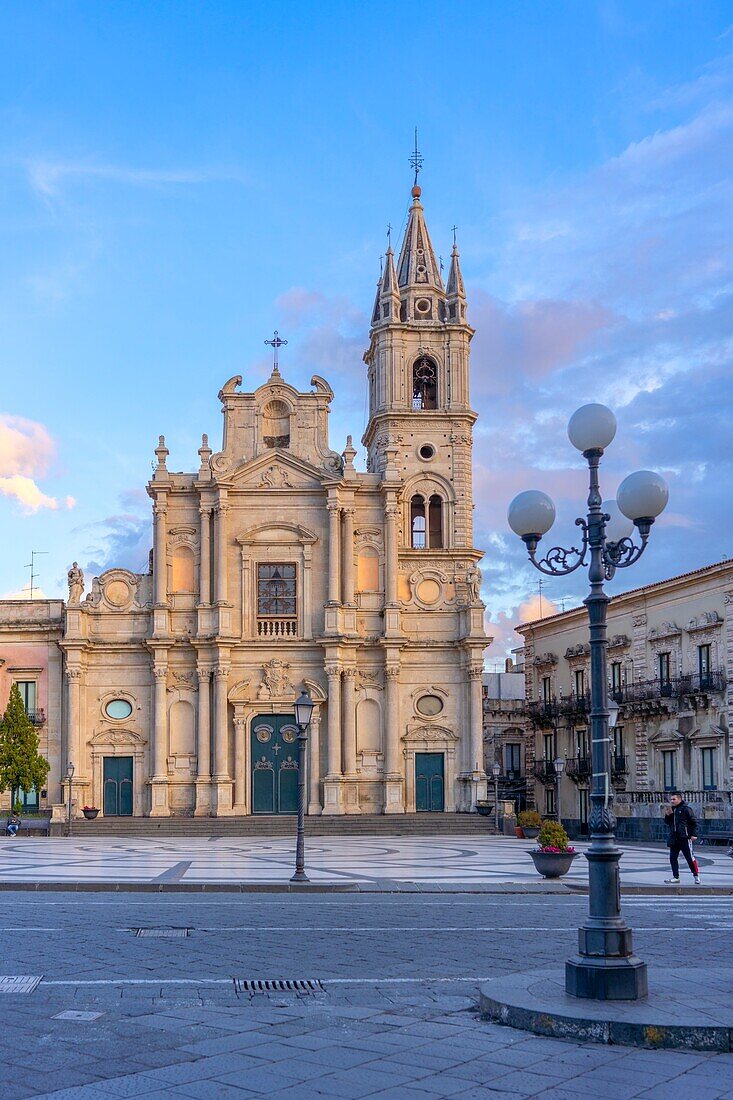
(554, 855)
(553, 838)
(95, 808)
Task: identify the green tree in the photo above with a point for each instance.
(21, 765)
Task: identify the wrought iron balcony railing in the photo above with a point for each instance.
(579, 768)
(619, 766)
(669, 688)
(37, 717)
(544, 770)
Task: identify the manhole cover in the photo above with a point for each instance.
(278, 985)
(168, 933)
(24, 983)
(72, 1014)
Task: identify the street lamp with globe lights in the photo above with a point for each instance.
(606, 967)
(303, 709)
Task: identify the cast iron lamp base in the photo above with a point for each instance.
(299, 876)
(607, 979)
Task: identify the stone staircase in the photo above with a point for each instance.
(264, 825)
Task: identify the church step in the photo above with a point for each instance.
(422, 824)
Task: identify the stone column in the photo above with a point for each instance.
(334, 555)
(314, 763)
(348, 722)
(159, 744)
(390, 552)
(73, 733)
(333, 783)
(220, 542)
(222, 780)
(205, 556)
(394, 784)
(475, 765)
(203, 745)
(160, 563)
(348, 555)
(240, 783)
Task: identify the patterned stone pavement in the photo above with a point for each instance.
(117, 1014)
(371, 862)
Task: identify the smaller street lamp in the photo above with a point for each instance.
(559, 768)
(303, 709)
(70, 769)
(496, 772)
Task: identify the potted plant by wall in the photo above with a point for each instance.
(90, 812)
(530, 822)
(484, 807)
(554, 855)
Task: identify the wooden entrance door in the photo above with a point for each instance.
(429, 782)
(274, 743)
(118, 786)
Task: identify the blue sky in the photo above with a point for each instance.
(179, 179)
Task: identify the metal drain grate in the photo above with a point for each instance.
(24, 983)
(159, 933)
(278, 985)
(72, 1014)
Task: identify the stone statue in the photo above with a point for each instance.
(75, 578)
(473, 580)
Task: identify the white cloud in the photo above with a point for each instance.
(47, 177)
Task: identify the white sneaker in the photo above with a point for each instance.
(697, 880)
(671, 882)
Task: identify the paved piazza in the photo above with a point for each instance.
(373, 863)
(118, 1014)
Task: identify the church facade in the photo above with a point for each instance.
(277, 565)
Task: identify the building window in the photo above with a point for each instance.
(435, 522)
(550, 801)
(669, 769)
(581, 740)
(618, 742)
(580, 682)
(550, 740)
(513, 761)
(276, 599)
(703, 664)
(417, 523)
(708, 770)
(546, 689)
(29, 693)
(615, 676)
(663, 664)
(425, 384)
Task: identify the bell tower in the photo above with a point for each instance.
(418, 376)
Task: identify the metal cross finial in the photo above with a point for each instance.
(416, 160)
(389, 234)
(275, 344)
(455, 227)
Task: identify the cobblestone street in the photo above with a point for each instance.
(122, 1014)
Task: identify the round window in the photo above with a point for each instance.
(429, 705)
(427, 451)
(422, 305)
(118, 709)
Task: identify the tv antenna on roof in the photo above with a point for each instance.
(32, 566)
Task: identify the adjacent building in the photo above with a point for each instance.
(670, 669)
(277, 565)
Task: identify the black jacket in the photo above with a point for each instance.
(680, 822)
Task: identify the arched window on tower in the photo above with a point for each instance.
(425, 383)
(435, 523)
(417, 523)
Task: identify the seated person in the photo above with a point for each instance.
(13, 824)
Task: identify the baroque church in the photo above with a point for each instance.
(278, 566)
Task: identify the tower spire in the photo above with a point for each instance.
(455, 290)
(417, 267)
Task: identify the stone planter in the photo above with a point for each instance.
(552, 864)
(484, 810)
(530, 834)
(90, 814)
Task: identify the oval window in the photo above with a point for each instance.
(422, 305)
(118, 709)
(429, 705)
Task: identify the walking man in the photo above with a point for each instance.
(681, 829)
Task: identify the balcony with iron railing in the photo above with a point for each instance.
(578, 768)
(659, 689)
(37, 717)
(544, 770)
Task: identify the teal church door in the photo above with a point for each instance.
(429, 782)
(274, 764)
(118, 786)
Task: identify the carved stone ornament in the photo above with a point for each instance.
(665, 630)
(545, 660)
(118, 737)
(619, 641)
(182, 679)
(706, 620)
(185, 536)
(369, 679)
(275, 677)
(369, 536)
(275, 477)
(577, 652)
(638, 621)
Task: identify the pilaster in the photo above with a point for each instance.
(394, 782)
(158, 766)
(203, 747)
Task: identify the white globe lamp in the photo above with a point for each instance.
(643, 495)
(531, 513)
(618, 527)
(591, 428)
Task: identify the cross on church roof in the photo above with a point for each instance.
(275, 344)
(416, 160)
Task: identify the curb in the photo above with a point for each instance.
(389, 887)
(662, 891)
(514, 1004)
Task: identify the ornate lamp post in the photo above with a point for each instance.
(303, 710)
(559, 767)
(496, 772)
(606, 967)
(70, 769)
